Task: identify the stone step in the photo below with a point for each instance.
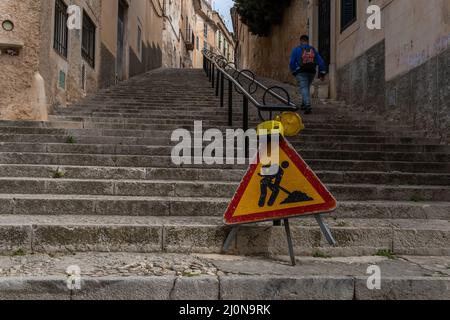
(311, 136)
(45, 204)
(80, 122)
(369, 147)
(233, 175)
(364, 125)
(46, 234)
(189, 107)
(309, 152)
(211, 189)
(166, 130)
(198, 115)
(194, 106)
(166, 162)
(306, 143)
(48, 138)
(165, 276)
(169, 128)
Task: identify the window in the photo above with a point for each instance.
(205, 30)
(88, 40)
(61, 30)
(348, 13)
(198, 43)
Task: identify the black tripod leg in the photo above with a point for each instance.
(325, 230)
(230, 238)
(289, 240)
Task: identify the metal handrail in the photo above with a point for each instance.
(268, 90)
(215, 63)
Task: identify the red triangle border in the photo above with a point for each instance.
(329, 205)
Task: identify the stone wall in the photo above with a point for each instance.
(51, 63)
(17, 72)
(269, 56)
(362, 81)
(422, 96)
(107, 67)
(171, 37)
(39, 65)
(151, 59)
(419, 97)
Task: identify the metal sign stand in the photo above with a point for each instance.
(323, 227)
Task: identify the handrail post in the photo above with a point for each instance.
(213, 71)
(209, 70)
(230, 103)
(245, 124)
(222, 83)
(218, 82)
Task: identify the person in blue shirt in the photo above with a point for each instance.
(303, 65)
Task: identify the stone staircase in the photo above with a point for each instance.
(98, 177)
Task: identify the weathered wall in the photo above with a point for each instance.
(171, 45)
(414, 31)
(205, 16)
(402, 70)
(362, 81)
(154, 25)
(421, 96)
(17, 72)
(269, 56)
(108, 48)
(197, 59)
(40, 66)
(224, 42)
(148, 15)
(51, 63)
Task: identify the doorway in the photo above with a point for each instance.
(325, 30)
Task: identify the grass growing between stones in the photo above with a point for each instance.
(321, 255)
(386, 253)
(58, 174)
(342, 224)
(71, 140)
(19, 253)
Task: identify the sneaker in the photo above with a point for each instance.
(308, 110)
(303, 107)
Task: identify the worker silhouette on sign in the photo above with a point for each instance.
(273, 183)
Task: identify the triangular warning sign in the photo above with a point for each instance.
(293, 191)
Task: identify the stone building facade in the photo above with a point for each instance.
(178, 33)
(205, 30)
(269, 56)
(19, 60)
(224, 42)
(45, 64)
(400, 71)
(47, 67)
(211, 33)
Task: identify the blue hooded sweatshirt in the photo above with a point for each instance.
(296, 57)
